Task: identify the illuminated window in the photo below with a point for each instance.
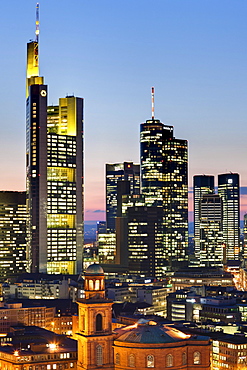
(150, 361)
(96, 285)
(131, 361)
(99, 356)
(169, 360)
(197, 358)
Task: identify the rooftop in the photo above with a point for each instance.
(149, 332)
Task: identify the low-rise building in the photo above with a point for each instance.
(219, 309)
(17, 313)
(229, 352)
(201, 276)
(154, 295)
(32, 348)
(42, 286)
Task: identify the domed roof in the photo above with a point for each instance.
(150, 332)
(94, 269)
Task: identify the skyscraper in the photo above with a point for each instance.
(202, 184)
(212, 249)
(228, 189)
(164, 182)
(145, 240)
(54, 148)
(13, 215)
(116, 172)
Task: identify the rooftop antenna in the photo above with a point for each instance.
(153, 103)
(37, 23)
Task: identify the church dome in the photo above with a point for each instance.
(149, 332)
(94, 269)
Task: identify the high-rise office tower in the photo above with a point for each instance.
(164, 182)
(13, 217)
(145, 240)
(228, 189)
(114, 173)
(212, 249)
(54, 147)
(202, 184)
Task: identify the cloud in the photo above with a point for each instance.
(94, 211)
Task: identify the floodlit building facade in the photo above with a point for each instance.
(142, 345)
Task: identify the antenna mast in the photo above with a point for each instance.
(37, 23)
(152, 102)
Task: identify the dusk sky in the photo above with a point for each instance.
(111, 52)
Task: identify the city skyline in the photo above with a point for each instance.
(106, 53)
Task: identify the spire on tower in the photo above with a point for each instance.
(152, 102)
(33, 58)
(37, 23)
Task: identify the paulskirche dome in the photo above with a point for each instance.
(149, 332)
(94, 269)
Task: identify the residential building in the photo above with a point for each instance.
(13, 215)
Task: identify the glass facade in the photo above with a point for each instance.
(202, 185)
(115, 173)
(54, 183)
(54, 170)
(164, 182)
(212, 250)
(13, 259)
(62, 194)
(106, 248)
(228, 189)
(145, 240)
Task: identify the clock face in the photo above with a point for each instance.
(43, 93)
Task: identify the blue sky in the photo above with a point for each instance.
(111, 53)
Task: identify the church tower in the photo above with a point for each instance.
(95, 337)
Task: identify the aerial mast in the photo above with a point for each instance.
(152, 103)
(37, 23)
